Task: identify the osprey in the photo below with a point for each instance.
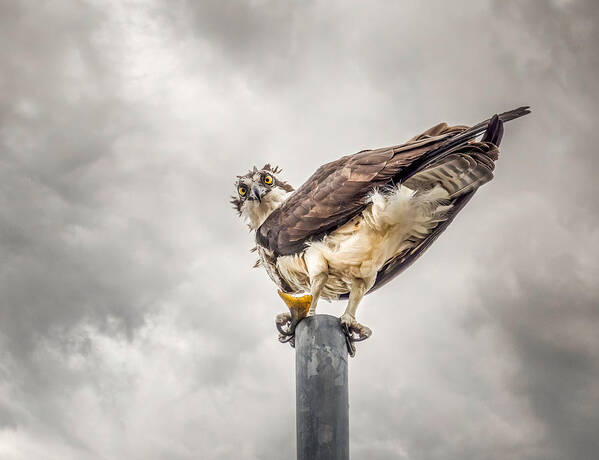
(361, 220)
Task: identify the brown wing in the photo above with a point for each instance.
(461, 173)
(337, 191)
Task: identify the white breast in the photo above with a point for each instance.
(255, 212)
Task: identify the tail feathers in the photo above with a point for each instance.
(483, 125)
(513, 114)
(494, 131)
(493, 127)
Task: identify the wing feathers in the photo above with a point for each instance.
(338, 190)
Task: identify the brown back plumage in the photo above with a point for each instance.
(338, 190)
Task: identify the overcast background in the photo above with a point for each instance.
(131, 323)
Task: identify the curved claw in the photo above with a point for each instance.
(359, 332)
(286, 338)
(284, 322)
(286, 325)
(351, 348)
(354, 332)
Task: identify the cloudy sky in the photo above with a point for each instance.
(131, 323)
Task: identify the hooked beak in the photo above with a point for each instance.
(255, 194)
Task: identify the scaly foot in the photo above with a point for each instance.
(347, 320)
(354, 332)
(287, 322)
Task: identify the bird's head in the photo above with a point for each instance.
(258, 193)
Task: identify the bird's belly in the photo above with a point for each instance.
(390, 225)
(294, 271)
(351, 255)
(358, 253)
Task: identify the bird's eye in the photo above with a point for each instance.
(242, 190)
(268, 179)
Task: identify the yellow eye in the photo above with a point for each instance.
(268, 180)
(242, 190)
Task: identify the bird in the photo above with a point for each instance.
(361, 220)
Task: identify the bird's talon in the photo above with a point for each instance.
(359, 332)
(286, 328)
(283, 322)
(354, 332)
(345, 328)
(286, 338)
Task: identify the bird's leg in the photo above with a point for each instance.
(356, 293)
(317, 283)
(318, 271)
(300, 307)
(354, 331)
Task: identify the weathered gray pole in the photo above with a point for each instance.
(322, 404)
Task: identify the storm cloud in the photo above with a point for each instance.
(131, 323)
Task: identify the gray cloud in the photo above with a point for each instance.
(131, 324)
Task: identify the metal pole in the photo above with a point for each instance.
(322, 404)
